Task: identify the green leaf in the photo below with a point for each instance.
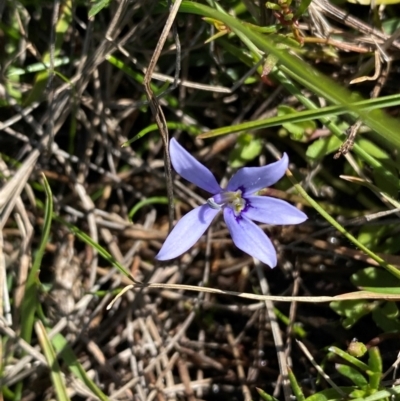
(97, 6)
(388, 164)
(353, 310)
(299, 131)
(349, 358)
(330, 394)
(375, 364)
(391, 25)
(352, 374)
(373, 277)
(322, 147)
(295, 386)
(247, 148)
(386, 317)
(265, 396)
(380, 395)
(302, 8)
(371, 236)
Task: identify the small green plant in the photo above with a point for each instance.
(365, 378)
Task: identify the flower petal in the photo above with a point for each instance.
(265, 209)
(191, 169)
(248, 237)
(252, 179)
(187, 231)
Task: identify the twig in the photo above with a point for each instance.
(350, 21)
(348, 144)
(156, 108)
(276, 333)
(239, 364)
(319, 369)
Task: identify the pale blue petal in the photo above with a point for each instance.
(186, 232)
(265, 209)
(191, 169)
(252, 179)
(249, 238)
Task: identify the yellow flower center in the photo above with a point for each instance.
(231, 199)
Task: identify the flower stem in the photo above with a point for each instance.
(390, 268)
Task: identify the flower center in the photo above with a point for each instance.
(230, 199)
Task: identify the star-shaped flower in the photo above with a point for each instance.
(239, 203)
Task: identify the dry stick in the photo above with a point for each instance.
(382, 51)
(134, 364)
(393, 368)
(356, 295)
(4, 295)
(166, 373)
(239, 364)
(156, 108)
(292, 316)
(340, 45)
(27, 232)
(88, 206)
(188, 321)
(353, 22)
(50, 100)
(377, 73)
(185, 377)
(381, 77)
(254, 369)
(32, 351)
(276, 333)
(206, 298)
(10, 198)
(319, 369)
(166, 364)
(11, 190)
(348, 144)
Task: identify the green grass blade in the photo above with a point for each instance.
(265, 396)
(375, 366)
(30, 300)
(349, 358)
(37, 67)
(65, 351)
(63, 23)
(292, 88)
(390, 268)
(380, 395)
(385, 126)
(298, 392)
(55, 371)
(102, 252)
(161, 200)
(86, 238)
(306, 115)
(170, 125)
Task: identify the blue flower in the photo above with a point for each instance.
(239, 203)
